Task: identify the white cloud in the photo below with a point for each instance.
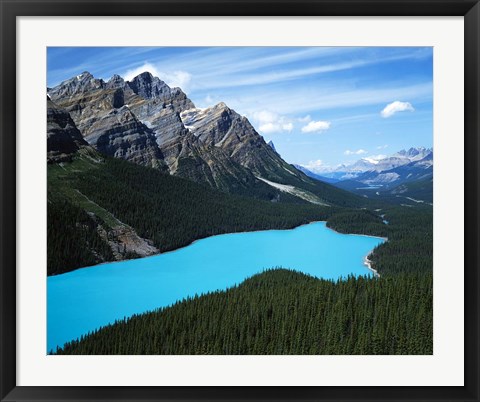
(265, 116)
(395, 107)
(180, 79)
(319, 167)
(314, 165)
(357, 152)
(316, 126)
(176, 78)
(382, 146)
(269, 128)
(269, 122)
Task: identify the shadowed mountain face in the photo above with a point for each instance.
(63, 137)
(144, 121)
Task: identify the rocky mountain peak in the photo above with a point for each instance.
(221, 106)
(149, 87)
(84, 76)
(116, 82)
(81, 83)
(414, 153)
(146, 122)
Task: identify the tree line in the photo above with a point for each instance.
(280, 311)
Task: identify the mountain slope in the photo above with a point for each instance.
(420, 191)
(111, 209)
(146, 122)
(225, 129)
(389, 178)
(139, 121)
(63, 137)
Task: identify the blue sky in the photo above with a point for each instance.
(321, 106)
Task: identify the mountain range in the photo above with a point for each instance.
(387, 175)
(146, 122)
(136, 169)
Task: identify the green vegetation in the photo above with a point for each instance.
(418, 190)
(282, 312)
(173, 212)
(170, 211)
(238, 183)
(413, 193)
(277, 312)
(326, 192)
(410, 242)
(409, 232)
(359, 221)
(73, 240)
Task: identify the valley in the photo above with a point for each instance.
(138, 177)
(403, 177)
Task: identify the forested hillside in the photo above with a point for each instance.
(95, 195)
(285, 312)
(409, 231)
(282, 312)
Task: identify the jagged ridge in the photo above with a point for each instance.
(146, 122)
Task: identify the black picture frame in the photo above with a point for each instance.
(10, 9)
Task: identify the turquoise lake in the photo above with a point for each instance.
(88, 298)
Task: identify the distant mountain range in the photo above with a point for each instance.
(383, 175)
(315, 176)
(146, 122)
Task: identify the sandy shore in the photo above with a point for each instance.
(368, 263)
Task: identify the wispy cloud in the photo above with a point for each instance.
(396, 107)
(303, 100)
(213, 79)
(357, 152)
(382, 146)
(215, 68)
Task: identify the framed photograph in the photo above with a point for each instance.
(236, 201)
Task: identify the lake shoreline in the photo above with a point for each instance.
(93, 298)
(216, 235)
(368, 263)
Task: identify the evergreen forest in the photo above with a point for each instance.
(279, 311)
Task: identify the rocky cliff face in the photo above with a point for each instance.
(147, 122)
(78, 85)
(223, 128)
(120, 134)
(100, 112)
(63, 137)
